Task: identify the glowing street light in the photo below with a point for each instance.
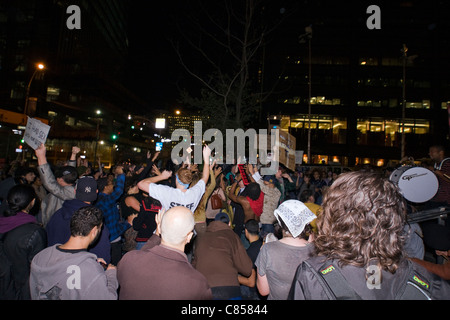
(39, 67)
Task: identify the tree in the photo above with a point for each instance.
(228, 41)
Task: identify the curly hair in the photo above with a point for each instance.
(84, 219)
(363, 219)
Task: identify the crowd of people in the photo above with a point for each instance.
(214, 231)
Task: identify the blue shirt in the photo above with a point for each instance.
(108, 203)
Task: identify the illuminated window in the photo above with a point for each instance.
(376, 131)
(368, 61)
(332, 129)
(52, 93)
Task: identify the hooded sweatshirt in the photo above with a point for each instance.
(58, 229)
(58, 274)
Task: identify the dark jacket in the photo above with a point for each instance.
(145, 223)
(307, 282)
(157, 272)
(22, 239)
(58, 229)
(220, 255)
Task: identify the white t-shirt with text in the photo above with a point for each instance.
(173, 197)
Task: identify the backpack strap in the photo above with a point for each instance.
(333, 282)
(417, 287)
(337, 283)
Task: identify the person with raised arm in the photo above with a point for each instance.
(184, 194)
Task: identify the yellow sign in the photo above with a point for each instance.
(16, 118)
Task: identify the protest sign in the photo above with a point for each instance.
(35, 133)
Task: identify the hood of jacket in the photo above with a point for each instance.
(9, 223)
(217, 226)
(70, 206)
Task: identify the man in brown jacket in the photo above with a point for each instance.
(220, 256)
(161, 270)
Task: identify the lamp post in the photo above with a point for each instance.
(404, 51)
(302, 39)
(39, 67)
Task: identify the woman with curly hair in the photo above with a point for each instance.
(360, 246)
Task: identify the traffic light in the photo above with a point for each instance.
(114, 136)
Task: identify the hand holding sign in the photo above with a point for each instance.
(36, 133)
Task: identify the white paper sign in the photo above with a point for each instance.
(36, 133)
(299, 156)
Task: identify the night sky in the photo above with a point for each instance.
(155, 74)
(154, 68)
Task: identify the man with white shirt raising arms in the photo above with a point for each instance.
(184, 194)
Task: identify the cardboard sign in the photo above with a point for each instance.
(284, 149)
(36, 132)
(287, 150)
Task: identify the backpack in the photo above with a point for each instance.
(7, 286)
(336, 287)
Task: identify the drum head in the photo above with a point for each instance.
(418, 184)
(397, 173)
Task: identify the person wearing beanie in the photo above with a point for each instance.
(58, 228)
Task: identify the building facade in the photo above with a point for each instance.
(80, 91)
(365, 99)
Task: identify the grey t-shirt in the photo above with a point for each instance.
(279, 262)
(173, 197)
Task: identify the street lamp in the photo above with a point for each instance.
(302, 39)
(39, 67)
(403, 143)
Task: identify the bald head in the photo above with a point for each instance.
(176, 225)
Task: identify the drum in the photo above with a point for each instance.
(416, 184)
